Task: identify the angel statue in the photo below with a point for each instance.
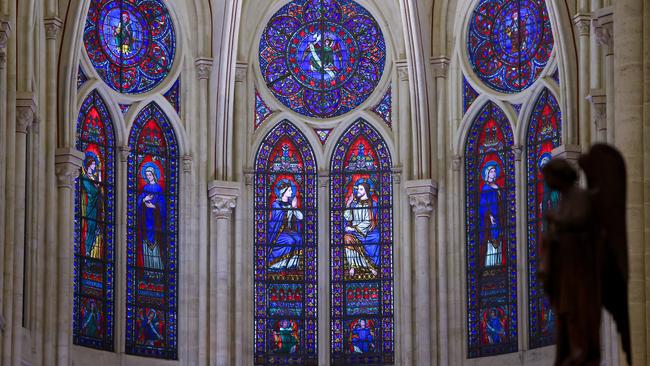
(584, 254)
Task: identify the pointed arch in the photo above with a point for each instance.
(94, 227)
(152, 236)
(491, 234)
(285, 270)
(543, 135)
(361, 248)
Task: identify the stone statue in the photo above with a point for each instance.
(584, 254)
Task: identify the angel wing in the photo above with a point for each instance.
(604, 168)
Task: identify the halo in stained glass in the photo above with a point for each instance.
(131, 43)
(509, 43)
(322, 58)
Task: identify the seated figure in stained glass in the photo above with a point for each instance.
(362, 336)
(285, 336)
(361, 237)
(284, 228)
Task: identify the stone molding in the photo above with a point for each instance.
(25, 112)
(517, 150)
(124, 153)
(36, 124)
(422, 195)
(440, 66)
(223, 196)
(53, 26)
(603, 20)
(598, 99)
(249, 176)
(67, 163)
(456, 162)
(241, 70)
(203, 67)
(5, 33)
(582, 21)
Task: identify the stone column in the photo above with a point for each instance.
(53, 27)
(224, 199)
(582, 22)
(5, 32)
(119, 288)
(598, 100)
(204, 163)
(422, 195)
(25, 110)
(603, 25)
(68, 162)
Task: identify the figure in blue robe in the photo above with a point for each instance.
(90, 325)
(151, 217)
(362, 338)
(284, 228)
(494, 328)
(149, 325)
(490, 208)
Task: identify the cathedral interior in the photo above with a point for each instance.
(305, 182)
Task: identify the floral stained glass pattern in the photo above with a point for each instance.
(361, 249)
(322, 58)
(491, 235)
(285, 249)
(131, 43)
(152, 237)
(509, 43)
(94, 227)
(543, 136)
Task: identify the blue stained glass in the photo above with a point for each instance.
(469, 95)
(152, 237)
(131, 43)
(94, 227)
(544, 134)
(384, 108)
(262, 111)
(491, 235)
(173, 96)
(322, 58)
(509, 43)
(361, 249)
(285, 258)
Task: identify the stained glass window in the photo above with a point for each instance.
(384, 108)
(322, 58)
(469, 95)
(509, 42)
(152, 237)
(285, 249)
(94, 227)
(543, 135)
(491, 235)
(361, 249)
(131, 43)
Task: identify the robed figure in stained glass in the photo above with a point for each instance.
(151, 217)
(322, 54)
(494, 326)
(284, 228)
(90, 206)
(286, 337)
(361, 237)
(123, 33)
(90, 326)
(362, 336)
(490, 209)
(149, 328)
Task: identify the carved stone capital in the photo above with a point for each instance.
(35, 127)
(187, 163)
(53, 26)
(440, 66)
(203, 67)
(241, 70)
(456, 163)
(249, 176)
(402, 70)
(5, 33)
(582, 21)
(25, 111)
(604, 27)
(223, 198)
(124, 153)
(323, 179)
(517, 150)
(598, 100)
(422, 195)
(67, 163)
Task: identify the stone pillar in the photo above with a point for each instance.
(204, 164)
(603, 25)
(422, 195)
(224, 199)
(440, 66)
(25, 110)
(119, 288)
(582, 23)
(5, 32)
(68, 162)
(598, 100)
(53, 27)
